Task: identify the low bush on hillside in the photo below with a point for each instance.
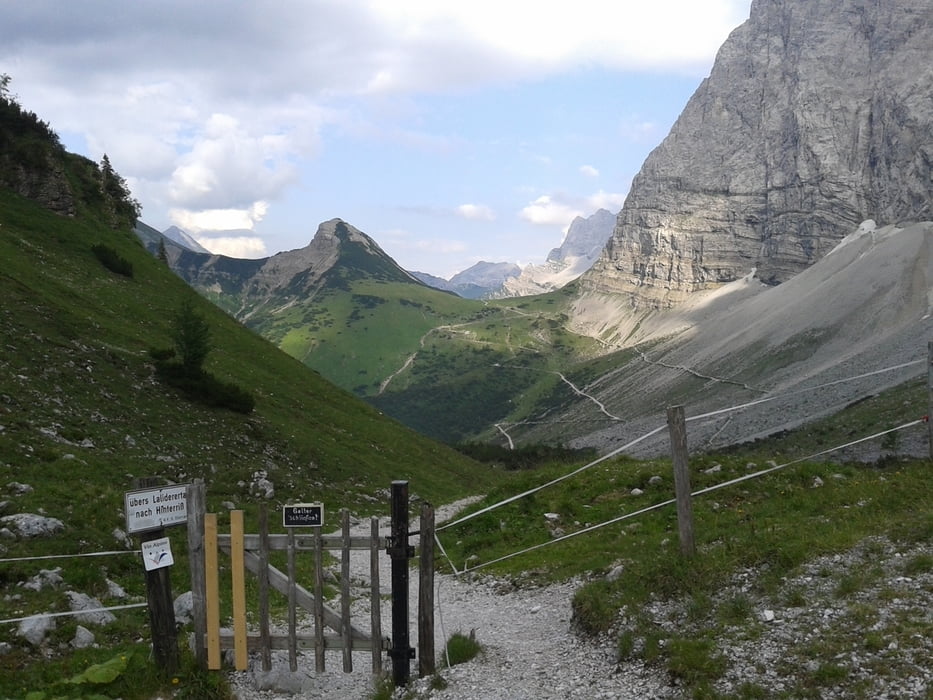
(201, 386)
(112, 260)
(524, 457)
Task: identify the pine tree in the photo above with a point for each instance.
(192, 337)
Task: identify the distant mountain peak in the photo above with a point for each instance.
(183, 239)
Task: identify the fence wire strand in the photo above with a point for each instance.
(651, 433)
(72, 556)
(74, 612)
(671, 501)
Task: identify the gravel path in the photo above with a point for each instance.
(531, 652)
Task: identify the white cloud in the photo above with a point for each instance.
(547, 211)
(234, 246)
(195, 221)
(605, 200)
(476, 212)
(589, 171)
(227, 165)
(561, 209)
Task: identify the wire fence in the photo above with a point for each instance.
(656, 506)
(655, 431)
(71, 613)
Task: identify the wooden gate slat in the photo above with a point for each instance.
(318, 604)
(292, 606)
(237, 572)
(212, 590)
(279, 581)
(345, 629)
(375, 614)
(263, 576)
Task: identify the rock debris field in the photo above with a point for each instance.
(530, 650)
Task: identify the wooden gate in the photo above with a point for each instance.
(332, 630)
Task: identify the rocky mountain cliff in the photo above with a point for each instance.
(815, 116)
(580, 249)
(292, 275)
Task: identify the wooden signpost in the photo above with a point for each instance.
(150, 508)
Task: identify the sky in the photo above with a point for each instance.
(449, 132)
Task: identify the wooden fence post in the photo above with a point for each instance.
(677, 426)
(400, 552)
(159, 599)
(930, 396)
(426, 594)
(194, 495)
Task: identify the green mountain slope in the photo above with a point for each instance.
(446, 366)
(76, 370)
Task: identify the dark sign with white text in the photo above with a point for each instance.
(303, 515)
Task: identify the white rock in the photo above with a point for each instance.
(84, 638)
(34, 628)
(184, 608)
(115, 590)
(32, 525)
(46, 578)
(93, 616)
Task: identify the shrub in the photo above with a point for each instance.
(205, 388)
(461, 648)
(112, 260)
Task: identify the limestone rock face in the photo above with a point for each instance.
(816, 116)
(581, 247)
(46, 185)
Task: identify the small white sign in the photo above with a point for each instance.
(157, 554)
(155, 508)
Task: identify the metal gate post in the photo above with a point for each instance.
(400, 552)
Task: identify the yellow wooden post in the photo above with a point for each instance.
(212, 592)
(238, 571)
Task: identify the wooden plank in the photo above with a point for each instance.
(305, 599)
(194, 496)
(346, 630)
(263, 579)
(292, 605)
(238, 575)
(375, 615)
(212, 592)
(677, 426)
(304, 642)
(318, 605)
(426, 594)
(304, 543)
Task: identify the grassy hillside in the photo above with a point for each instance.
(82, 413)
(77, 340)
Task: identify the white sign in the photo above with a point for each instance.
(157, 554)
(152, 509)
